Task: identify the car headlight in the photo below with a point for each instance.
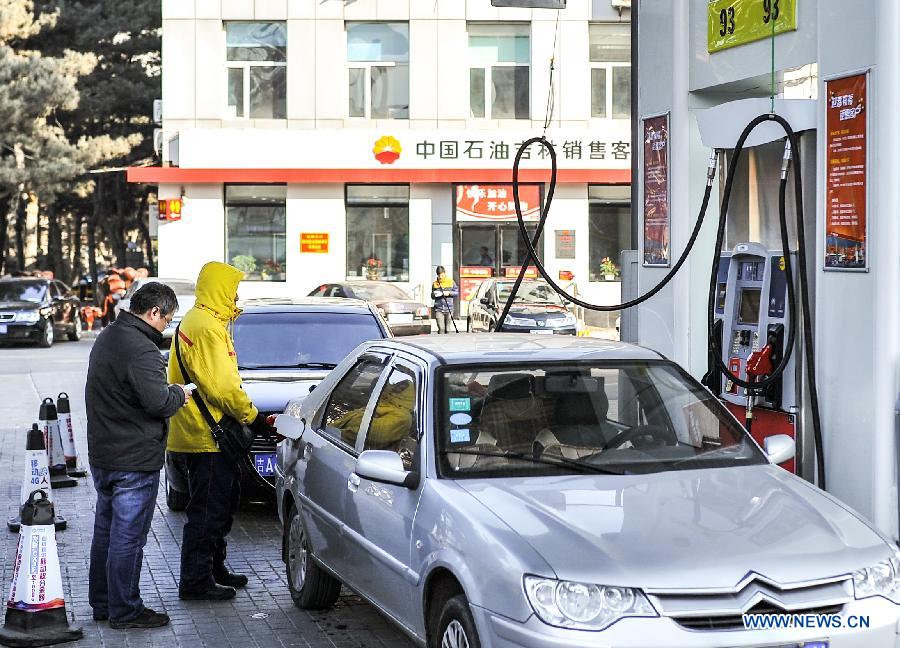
(519, 321)
(28, 317)
(882, 579)
(566, 320)
(584, 606)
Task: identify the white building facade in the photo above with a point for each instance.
(315, 141)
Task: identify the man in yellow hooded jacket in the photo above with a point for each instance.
(207, 351)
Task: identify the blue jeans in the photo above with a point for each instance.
(125, 503)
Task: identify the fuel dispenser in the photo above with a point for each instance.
(751, 320)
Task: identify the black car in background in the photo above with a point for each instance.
(405, 316)
(284, 349)
(38, 310)
(537, 309)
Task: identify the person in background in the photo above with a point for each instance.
(443, 291)
(128, 403)
(486, 258)
(115, 290)
(214, 483)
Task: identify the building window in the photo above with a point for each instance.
(378, 232)
(610, 53)
(255, 230)
(257, 69)
(378, 61)
(499, 71)
(609, 222)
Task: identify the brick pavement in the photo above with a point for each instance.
(262, 615)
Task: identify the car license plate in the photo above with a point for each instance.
(541, 332)
(265, 463)
(2, 329)
(400, 318)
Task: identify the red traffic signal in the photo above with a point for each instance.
(170, 210)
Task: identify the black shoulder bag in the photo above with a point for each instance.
(232, 438)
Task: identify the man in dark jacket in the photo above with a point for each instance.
(128, 403)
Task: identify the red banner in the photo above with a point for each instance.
(656, 191)
(845, 173)
(495, 202)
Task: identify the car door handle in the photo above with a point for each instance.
(353, 482)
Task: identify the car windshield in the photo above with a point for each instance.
(377, 292)
(623, 418)
(25, 291)
(297, 340)
(530, 292)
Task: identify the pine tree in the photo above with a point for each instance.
(36, 154)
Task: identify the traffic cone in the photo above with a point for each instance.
(36, 610)
(67, 432)
(53, 442)
(37, 476)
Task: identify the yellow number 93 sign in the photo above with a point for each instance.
(736, 22)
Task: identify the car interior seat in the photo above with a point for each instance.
(580, 426)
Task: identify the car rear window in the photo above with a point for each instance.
(287, 340)
(377, 291)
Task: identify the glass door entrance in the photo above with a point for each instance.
(486, 251)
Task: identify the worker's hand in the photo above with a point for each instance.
(187, 394)
(263, 427)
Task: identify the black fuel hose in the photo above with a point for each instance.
(532, 257)
(530, 244)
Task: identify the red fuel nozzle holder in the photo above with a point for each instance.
(759, 364)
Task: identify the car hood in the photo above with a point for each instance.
(538, 310)
(19, 305)
(684, 529)
(271, 390)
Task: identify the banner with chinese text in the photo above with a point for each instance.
(846, 124)
(495, 202)
(656, 191)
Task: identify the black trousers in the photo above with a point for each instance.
(215, 491)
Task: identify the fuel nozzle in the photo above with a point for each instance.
(759, 364)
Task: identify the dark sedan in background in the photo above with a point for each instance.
(284, 349)
(405, 316)
(537, 309)
(38, 310)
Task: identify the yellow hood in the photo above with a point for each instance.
(217, 286)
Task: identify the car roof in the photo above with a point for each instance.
(25, 280)
(304, 304)
(163, 279)
(515, 347)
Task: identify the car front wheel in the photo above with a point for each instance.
(456, 627)
(46, 340)
(75, 334)
(312, 588)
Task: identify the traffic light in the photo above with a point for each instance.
(170, 210)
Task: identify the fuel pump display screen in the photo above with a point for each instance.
(749, 310)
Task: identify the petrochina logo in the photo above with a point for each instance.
(387, 149)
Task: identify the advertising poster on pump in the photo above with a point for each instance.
(656, 191)
(846, 174)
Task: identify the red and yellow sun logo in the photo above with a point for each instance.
(387, 149)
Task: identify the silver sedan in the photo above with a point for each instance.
(505, 490)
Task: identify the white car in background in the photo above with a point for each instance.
(184, 291)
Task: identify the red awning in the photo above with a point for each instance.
(177, 175)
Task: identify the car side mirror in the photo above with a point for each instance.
(485, 301)
(779, 448)
(384, 466)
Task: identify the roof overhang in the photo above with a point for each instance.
(178, 175)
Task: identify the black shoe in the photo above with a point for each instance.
(214, 593)
(224, 577)
(101, 616)
(146, 619)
